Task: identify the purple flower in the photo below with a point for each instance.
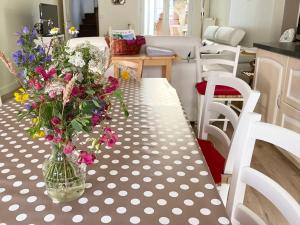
(18, 57)
(40, 49)
(20, 41)
(34, 33)
(31, 58)
(27, 106)
(25, 30)
(21, 74)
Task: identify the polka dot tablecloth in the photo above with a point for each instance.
(154, 175)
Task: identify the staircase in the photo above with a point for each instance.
(90, 25)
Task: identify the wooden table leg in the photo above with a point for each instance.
(167, 70)
(139, 70)
(116, 70)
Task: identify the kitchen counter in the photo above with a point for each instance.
(289, 49)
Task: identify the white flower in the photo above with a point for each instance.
(54, 31)
(80, 77)
(56, 87)
(77, 59)
(72, 30)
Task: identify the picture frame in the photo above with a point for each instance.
(118, 2)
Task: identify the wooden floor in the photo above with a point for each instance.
(268, 160)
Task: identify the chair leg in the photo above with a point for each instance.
(225, 125)
(200, 100)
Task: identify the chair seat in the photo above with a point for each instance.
(219, 90)
(215, 161)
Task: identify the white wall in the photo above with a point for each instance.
(220, 9)
(14, 14)
(119, 16)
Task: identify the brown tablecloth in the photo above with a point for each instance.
(155, 174)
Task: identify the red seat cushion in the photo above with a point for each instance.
(219, 90)
(215, 161)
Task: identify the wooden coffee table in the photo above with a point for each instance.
(143, 60)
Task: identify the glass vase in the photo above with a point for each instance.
(63, 176)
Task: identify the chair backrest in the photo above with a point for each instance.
(216, 58)
(253, 129)
(211, 108)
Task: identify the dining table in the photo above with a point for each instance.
(154, 175)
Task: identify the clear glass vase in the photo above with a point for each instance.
(63, 176)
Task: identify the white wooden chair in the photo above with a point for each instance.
(220, 163)
(121, 66)
(212, 64)
(250, 130)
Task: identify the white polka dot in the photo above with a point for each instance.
(24, 191)
(101, 179)
(173, 194)
(17, 183)
(6, 198)
(2, 190)
(194, 180)
(40, 208)
(147, 179)
(113, 172)
(123, 193)
(209, 186)
(91, 172)
(223, 221)
(124, 179)
(97, 193)
(111, 185)
(199, 194)
(215, 201)
(49, 218)
(135, 186)
(77, 218)
(31, 199)
(164, 220)
(148, 194)
(105, 219)
(194, 221)
(67, 208)
(88, 185)
(135, 201)
(203, 173)
(184, 187)
(188, 202)
(171, 179)
(149, 210)
(83, 200)
(21, 217)
(205, 211)
(108, 201)
(159, 186)
(135, 220)
(161, 202)
(121, 210)
(94, 209)
(13, 207)
(176, 211)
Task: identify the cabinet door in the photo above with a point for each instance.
(269, 73)
(291, 90)
(289, 118)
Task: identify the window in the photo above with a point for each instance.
(156, 23)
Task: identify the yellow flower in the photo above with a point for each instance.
(21, 97)
(73, 30)
(125, 75)
(39, 134)
(35, 120)
(54, 31)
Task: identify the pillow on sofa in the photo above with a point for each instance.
(229, 36)
(155, 51)
(210, 32)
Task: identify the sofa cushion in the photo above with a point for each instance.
(229, 36)
(210, 32)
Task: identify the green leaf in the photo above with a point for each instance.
(90, 92)
(96, 103)
(118, 94)
(46, 113)
(76, 125)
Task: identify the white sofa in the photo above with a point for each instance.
(214, 35)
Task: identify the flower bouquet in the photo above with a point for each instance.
(65, 93)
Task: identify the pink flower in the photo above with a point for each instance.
(57, 130)
(96, 119)
(55, 121)
(52, 94)
(77, 91)
(69, 148)
(46, 75)
(34, 105)
(35, 84)
(68, 77)
(49, 137)
(57, 140)
(114, 85)
(108, 137)
(87, 158)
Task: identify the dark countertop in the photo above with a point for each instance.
(289, 49)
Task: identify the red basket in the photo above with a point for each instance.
(126, 47)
